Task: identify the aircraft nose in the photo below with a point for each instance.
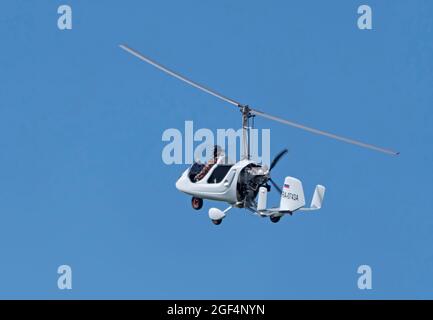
(183, 182)
(180, 184)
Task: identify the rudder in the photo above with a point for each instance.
(292, 197)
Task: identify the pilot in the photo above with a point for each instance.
(211, 162)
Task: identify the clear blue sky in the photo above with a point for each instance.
(81, 177)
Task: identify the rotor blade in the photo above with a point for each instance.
(276, 186)
(179, 76)
(277, 158)
(324, 133)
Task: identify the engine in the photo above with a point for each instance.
(251, 178)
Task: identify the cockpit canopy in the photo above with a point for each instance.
(219, 164)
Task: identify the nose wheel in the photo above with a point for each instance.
(196, 203)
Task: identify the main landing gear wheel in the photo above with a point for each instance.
(275, 219)
(197, 203)
(217, 222)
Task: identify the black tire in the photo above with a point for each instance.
(196, 203)
(217, 222)
(275, 219)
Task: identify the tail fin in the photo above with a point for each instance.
(262, 199)
(319, 194)
(292, 197)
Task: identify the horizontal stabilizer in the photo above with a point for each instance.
(292, 199)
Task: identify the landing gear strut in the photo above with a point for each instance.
(196, 203)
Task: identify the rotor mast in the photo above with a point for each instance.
(246, 134)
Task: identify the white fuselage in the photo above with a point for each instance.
(224, 190)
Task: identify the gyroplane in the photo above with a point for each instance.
(245, 184)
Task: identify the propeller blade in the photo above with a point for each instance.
(275, 185)
(179, 76)
(277, 158)
(324, 133)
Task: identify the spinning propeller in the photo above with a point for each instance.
(273, 164)
(251, 112)
(277, 158)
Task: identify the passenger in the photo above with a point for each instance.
(211, 162)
